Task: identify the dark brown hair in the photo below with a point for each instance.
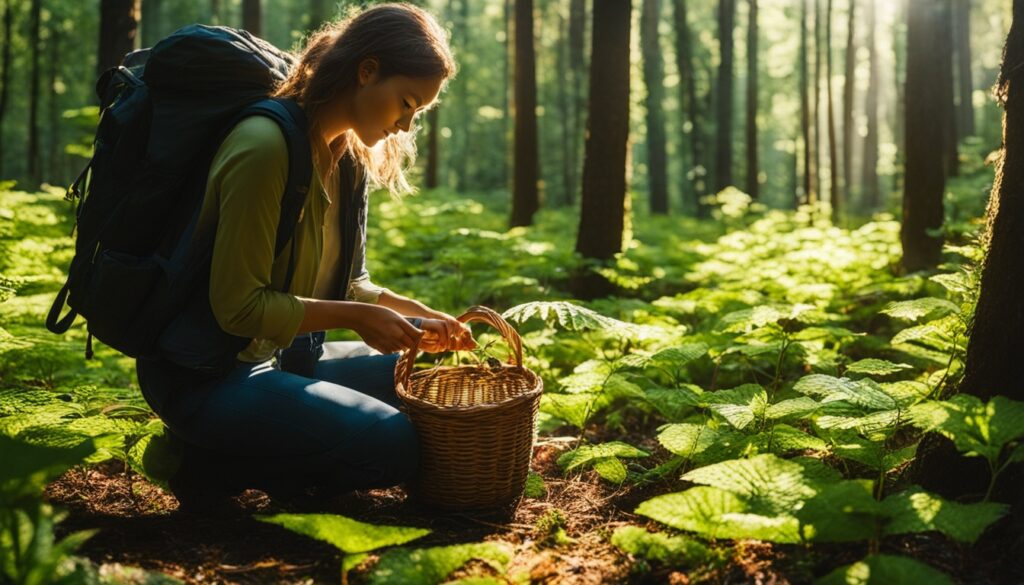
(405, 40)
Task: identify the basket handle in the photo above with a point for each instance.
(475, 313)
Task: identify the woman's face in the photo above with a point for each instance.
(381, 107)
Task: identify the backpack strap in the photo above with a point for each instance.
(295, 127)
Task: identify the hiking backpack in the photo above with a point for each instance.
(138, 276)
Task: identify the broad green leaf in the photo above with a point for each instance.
(574, 409)
(976, 428)
(957, 282)
(844, 511)
(701, 443)
(717, 513)
(739, 406)
(675, 403)
(918, 308)
(782, 438)
(590, 376)
(661, 547)
(871, 453)
(885, 570)
(793, 408)
(770, 484)
(876, 367)
(620, 387)
(348, 535)
(568, 316)
(865, 393)
(868, 424)
(155, 458)
(22, 460)
(589, 454)
(431, 566)
(611, 469)
(535, 487)
(915, 510)
(679, 355)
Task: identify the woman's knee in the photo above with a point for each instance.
(400, 446)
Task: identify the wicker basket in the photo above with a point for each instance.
(475, 425)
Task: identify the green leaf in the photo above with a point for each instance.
(348, 535)
(26, 468)
(918, 308)
(783, 438)
(701, 443)
(974, 427)
(590, 376)
(739, 406)
(611, 469)
(717, 513)
(915, 510)
(679, 355)
(574, 409)
(865, 393)
(535, 487)
(871, 453)
(675, 403)
(876, 367)
(430, 566)
(845, 511)
(568, 316)
(155, 457)
(661, 547)
(793, 408)
(589, 454)
(885, 570)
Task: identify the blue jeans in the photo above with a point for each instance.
(259, 425)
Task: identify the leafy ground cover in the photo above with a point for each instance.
(744, 411)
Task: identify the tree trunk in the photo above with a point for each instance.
(252, 17)
(805, 108)
(752, 165)
(152, 17)
(654, 74)
(899, 124)
(604, 202)
(965, 82)
(833, 160)
(565, 108)
(694, 177)
(723, 118)
(869, 171)
(944, 47)
(848, 84)
(5, 76)
(816, 108)
(35, 26)
(578, 75)
(525, 196)
(119, 23)
(925, 179)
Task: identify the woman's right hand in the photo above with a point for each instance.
(385, 330)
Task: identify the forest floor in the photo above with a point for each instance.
(139, 525)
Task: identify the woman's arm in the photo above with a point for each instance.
(381, 328)
(453, 335)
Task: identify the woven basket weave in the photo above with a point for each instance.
(475, 425)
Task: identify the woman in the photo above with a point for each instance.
(320, 414)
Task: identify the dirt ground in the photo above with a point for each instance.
(139, 525)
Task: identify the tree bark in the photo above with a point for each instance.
(654, 74)
(252, 17)
(578, 76)
(723, 126)
(35, 25)
(805, 108)
(5, 75)
(925, 178)
(119, 23)
(604, 202)
(694, 177)
(899, 128)
(752, 164)
(965, 81)
(848, 85)
(816, 108)
(944, 46)
(833, 160)
(525, 198)
(869, 171)
(565, 108)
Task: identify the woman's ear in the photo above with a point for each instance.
(367, 71)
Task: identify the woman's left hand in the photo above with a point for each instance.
(445, 333)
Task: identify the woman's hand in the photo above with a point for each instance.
(385, 330)
(445, 333)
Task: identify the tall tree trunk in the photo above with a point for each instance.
(433, 123)
(53, 158)
(654, 73)
(723, 126)
(869, 171)
(848, 84)
(252, 17)
(152, 17)
(944, 46)
(752, 166)
(35, 25)
(565, 107)
(816, 108)
(833, 160)
(578, 74)
(925, 180)
(899, 128)
(5, 76)
(805, 107)
(525, 197)
(604, 204)
(694, 177)
(119, 23)
(965, 83)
